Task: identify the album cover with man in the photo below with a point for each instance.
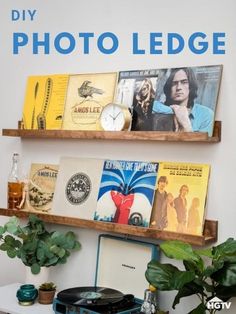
(180, 198)
(172, 99)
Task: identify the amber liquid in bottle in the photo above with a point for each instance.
(14, 194)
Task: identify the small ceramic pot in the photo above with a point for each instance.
(46, 297)
(26, 294)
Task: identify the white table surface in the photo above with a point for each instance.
(9, 302)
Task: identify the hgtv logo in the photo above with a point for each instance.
(217, 304)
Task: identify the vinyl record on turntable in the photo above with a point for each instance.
(90, 296)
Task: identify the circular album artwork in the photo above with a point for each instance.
(78, 188)
(90, 296)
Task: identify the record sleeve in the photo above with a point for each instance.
(44, 101)
(87, 94)
(180, 198)
(41, 187)
(77, 187)
(155, 97)
(126, 192)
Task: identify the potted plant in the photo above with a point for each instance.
(209, 274)
(35, 245)
(47, 291)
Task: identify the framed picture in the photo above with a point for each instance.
(175, 99)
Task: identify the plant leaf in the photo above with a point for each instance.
(204, 252)
(226, 276)
(227, 248)
(11, 253)
(196, 267)
(199, 310)
(61, 253)
(209, 270)
(179, 250)
(159, 275)
(4, 247)
(35, 269)
(77, 246)
(180, 278)
(12, 225)
(225, 293)
(187, 290)
(2, 230)
(40, 254)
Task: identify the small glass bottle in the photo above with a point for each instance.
(149, 305)
(15, 186)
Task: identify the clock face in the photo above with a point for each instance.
(112, 118)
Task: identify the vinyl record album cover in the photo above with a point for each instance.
(126, 192)
(180, 198)
(77, 187)
(174, 99)
(40, 187)
(87, 94)
(44, 102)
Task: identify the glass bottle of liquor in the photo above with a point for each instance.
(15, 186)
(149, 305)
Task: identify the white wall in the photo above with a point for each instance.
(123, 18)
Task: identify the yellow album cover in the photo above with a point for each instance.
(180, 197)
(87, 94)
(44, 102)
(39, 189)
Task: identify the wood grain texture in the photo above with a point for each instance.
(209, 236)
(120, 135)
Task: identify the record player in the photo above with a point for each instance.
(119, 281)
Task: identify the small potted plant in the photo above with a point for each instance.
(47, 292)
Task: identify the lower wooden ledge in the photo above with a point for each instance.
(209, 234)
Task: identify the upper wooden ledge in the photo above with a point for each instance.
(120, 135)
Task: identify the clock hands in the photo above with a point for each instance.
(114, 118)
(117, 114)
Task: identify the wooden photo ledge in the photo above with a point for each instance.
(120, 135)
(209, 234)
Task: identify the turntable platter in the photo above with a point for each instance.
(90, 296)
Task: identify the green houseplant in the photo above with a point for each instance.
(209, 274)
(47, 291)
(35, 245)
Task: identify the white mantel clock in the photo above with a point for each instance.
(115, 117)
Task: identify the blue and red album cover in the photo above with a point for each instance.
(126, 192)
